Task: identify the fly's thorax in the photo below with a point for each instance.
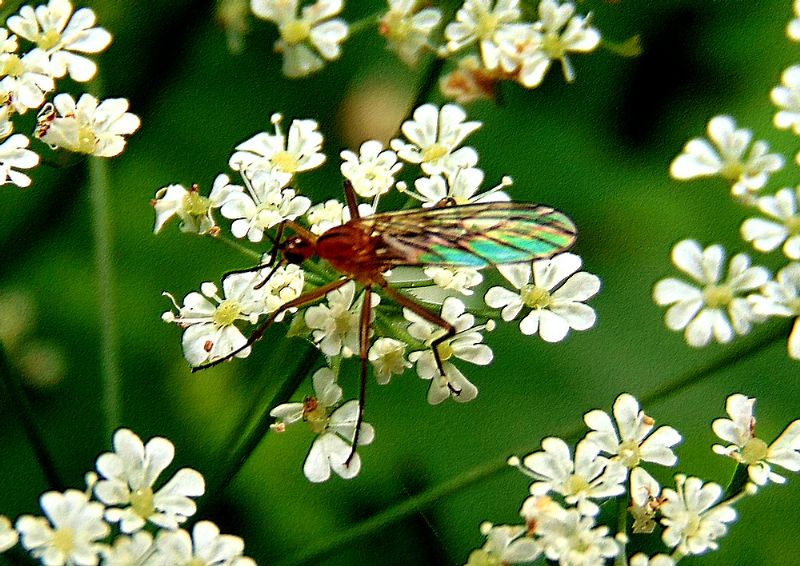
(352, 251)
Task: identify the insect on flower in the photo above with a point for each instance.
(365, 248)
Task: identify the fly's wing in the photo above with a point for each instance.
(472, 235)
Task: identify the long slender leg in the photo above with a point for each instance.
(300, 301)
(363, 340)
(431, 317)
(350, 196)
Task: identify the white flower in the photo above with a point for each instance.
(631, 441)
(86, 126)
(782, 298)
(465, 345)
(555, 296)
(306, 40)
(787, 98)
(206, 547)
(285, 284)
(14, 155)
(435, 137)
(793, 27)
(333, 447)
(336, 326)
(479, 21)
(284, 156)
(388, 358)
(8, 535)
(572, 539)
(264, 205)
(693, 522)
(590, 476)
(644, 493)
(194, 210)
(25, 79)
(749, 450)
(746, 174)
(70, 532)
(324, 216)
(717, 308)
(210, 332)
(129, 550)
(505, 544)
(372, 171)
(458, 186)
(129, 474)
(6, 125)
(459, 279)
(767, 235)
(406, 30)
(529, 50)
(469, 82)
(59, 32)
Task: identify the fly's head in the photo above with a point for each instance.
(297, 249)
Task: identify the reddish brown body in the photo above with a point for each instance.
(353, 252)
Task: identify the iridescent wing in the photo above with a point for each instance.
(472, 235)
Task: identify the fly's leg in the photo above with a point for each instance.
(363, 335)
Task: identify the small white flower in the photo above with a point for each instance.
(644, 492)
(555, 295)
(129, 474)
(435, 137)
(767, 235)
(210, 331)
(787, 98)
(324, 216)
(372, 171)
(573, 539)
(206, 547)
(6, 125)
(726, 158)
(285, 284)
(793, 27)
(282, 155)
(529, 50)
(590, 476)
(749, 450)
(86, 126)
(464, 345)
(631, 441)
(479, 21)
(25, 79)
(407, 30)
(782, 298)
(15, 155)
(717, 309)
(335, 326)
(505, 544)
(469, 82)
(333, 451)
(8, 535)
(693, 522)
(131, 550)
(459, 279)
(335, 427)
(306, 41)
(60, 33)
(194, 209)
(388, 358)
(69, 534)
(264, 205)
(459, 186)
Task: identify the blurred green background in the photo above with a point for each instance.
(598, 149)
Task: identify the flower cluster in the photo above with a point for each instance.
(720, 304)
(122, 517)
(563, 520)
(57, 39)
(489, 37)
(436, 337)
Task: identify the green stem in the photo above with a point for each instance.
(233, 244)
(99, 189)
(246, 445)
(365, 23)
(19, 401)
(428, 84)
(418, 503)
(739, 479)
